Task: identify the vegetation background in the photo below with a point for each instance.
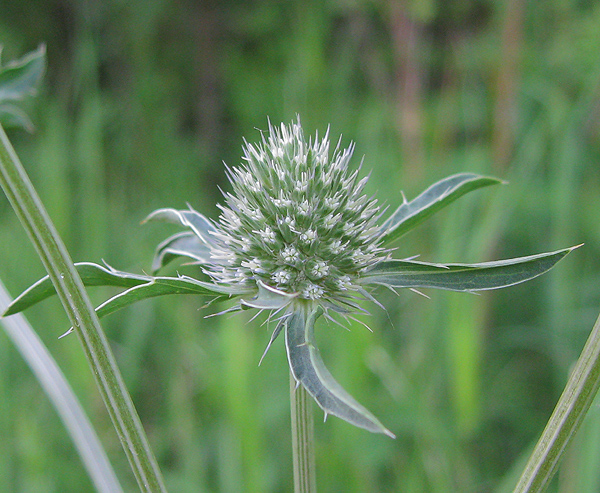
(144, 100)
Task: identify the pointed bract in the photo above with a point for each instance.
(435, 198)
(308, 369)
(180, 245)
(462, 277)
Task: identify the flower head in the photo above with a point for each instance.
(300, 215)
(298, 237)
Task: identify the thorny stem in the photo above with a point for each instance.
(305, 480)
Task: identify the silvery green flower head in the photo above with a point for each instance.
(297, 229)
(299, 238)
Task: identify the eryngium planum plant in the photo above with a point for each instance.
(298, 238)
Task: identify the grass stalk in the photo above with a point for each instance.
(56, 260)
(305, 479)
(566, 419)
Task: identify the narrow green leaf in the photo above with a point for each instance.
(20, 78)
(462, 277)
(436, 197)
(91, 274)
(161, 286)
(309, 370)
(96, 275)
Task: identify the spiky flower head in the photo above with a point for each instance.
(297, 220)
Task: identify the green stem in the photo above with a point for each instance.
(80, 311)
(568, 414)
(305, 480)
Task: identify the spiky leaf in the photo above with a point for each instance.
(436, 197)
(189, 218)
(462, 277)
(268, 298)
(308, 368)
(160, 286)
(20, 78)
(96, 275)
(91, 275)
(180, 245)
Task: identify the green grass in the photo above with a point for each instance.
(465, 382)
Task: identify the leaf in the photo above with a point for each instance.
(161, 286)
(184, 244)
(19, 78)
(91, 274)
(96, 275)
(436, 197)
(462, 277)
(308, 368)
(202, 226)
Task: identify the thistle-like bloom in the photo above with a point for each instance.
(296, 225)
(298, 237)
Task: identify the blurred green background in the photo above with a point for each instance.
(144, 100)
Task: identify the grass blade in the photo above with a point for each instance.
(62, 397)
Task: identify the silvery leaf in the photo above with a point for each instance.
(436, 197)
(184, 244)
(309, 370)
(462, 277)
(202, 226)
(20, 78)
(147, 286)
(268, 298)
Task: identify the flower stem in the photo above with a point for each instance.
(81, 313)
(568, 414)
(305, 480)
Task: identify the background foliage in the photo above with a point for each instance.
(142, 103)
